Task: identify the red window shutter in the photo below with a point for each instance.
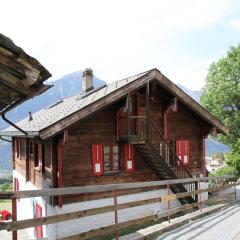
(97, 160)
(14, 184)
(182, 151)
(39, 230)
(40, 157)
(186, 153)
(18, 185)
(19, 147)
(15, 148)
(129, 157)
(60, 176)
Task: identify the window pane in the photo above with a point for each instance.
(116, 166)
(106, 158)
(111, 158)
(107, 167)
(115, 149)
(106, 149)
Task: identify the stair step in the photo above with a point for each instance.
(144, 147)
(161, 168)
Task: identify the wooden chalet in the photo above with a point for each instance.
(137, 129)
(141, 128)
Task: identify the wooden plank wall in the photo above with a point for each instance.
(181, 127)
(77, 153)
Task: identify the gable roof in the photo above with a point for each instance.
(69, 110)
(22, 76)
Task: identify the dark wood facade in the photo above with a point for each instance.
(66, 158)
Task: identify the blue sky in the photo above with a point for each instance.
(122, 38)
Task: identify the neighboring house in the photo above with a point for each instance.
(21, 76)
(215, 163)
(142, 128)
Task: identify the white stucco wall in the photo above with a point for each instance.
(25, 205)
(84, 224)
(204, 196)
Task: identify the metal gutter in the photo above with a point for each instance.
(8, 108)
(4, 139)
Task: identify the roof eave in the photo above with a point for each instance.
(30, 134)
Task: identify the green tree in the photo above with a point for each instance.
(221, 96)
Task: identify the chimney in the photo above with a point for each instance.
(30, 116)
(87, 80)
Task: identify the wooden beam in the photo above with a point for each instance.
(13, 82)
(190, 102)
(101, 188)
(147, 109)
(4, 100)
(22, 224)
(11, 64)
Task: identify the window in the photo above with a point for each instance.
(105, 159)
(182, 151)
(38, 157)
(22, 148)
(17, 147)
(31, 150)
(111, 158)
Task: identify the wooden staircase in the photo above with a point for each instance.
(161, 157)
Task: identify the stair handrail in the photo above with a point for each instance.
(170, 147)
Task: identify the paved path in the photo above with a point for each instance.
(223, 225)
(5, 235)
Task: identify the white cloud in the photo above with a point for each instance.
(115, 38)
(235, 24)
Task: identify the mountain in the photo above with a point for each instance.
(213, 146)
(68, 85)
(194, 94)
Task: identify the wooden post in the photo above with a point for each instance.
(200, 196)
(168, 202)
(128, 114)
(235, 191)
(60, 179)
(14, 217)
(204, 157)
(222, 192)
(116, 213)
(147, 110)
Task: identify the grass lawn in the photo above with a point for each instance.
(6, 205)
